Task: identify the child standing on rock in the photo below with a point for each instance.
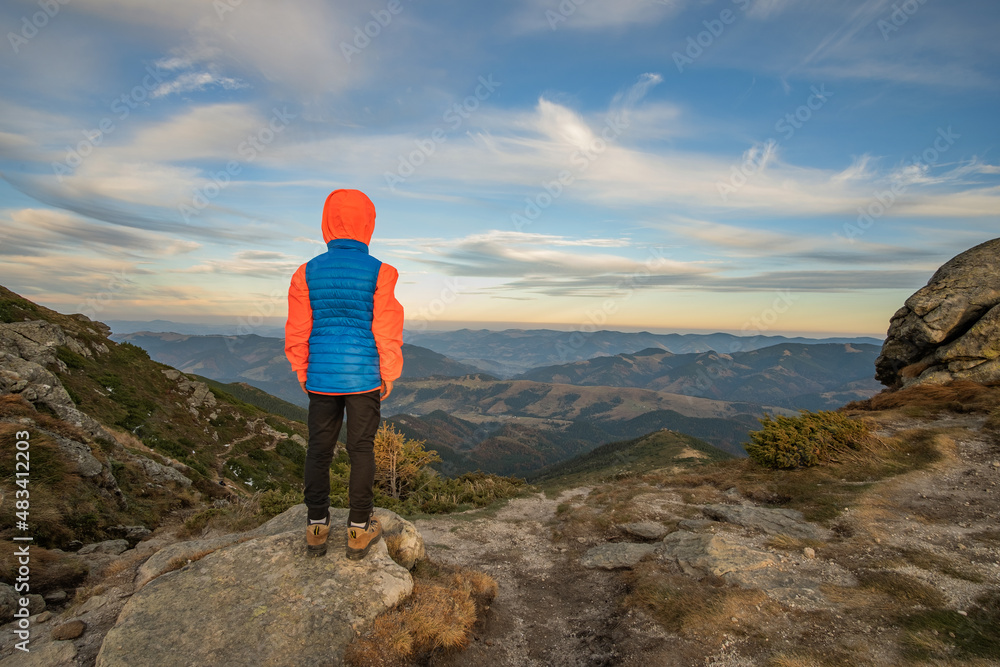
(343, 337)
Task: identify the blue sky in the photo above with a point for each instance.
(757, 166)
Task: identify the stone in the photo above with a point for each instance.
(949, 329)
(93, 603)
(773, 521)
(80, 457)
(695, 525)
(650, 530)
(809, 552)
(109, 547)
(38, 385)
(262, 601)
(49, 655)
(701, 554)
(616, 555)
(70, 630)
(172, 373)
(8, 603)
(135, 534)
(56, 597)
(158, 473)
(41, 618)
(410, 543)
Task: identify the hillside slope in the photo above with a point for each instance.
(131, 408)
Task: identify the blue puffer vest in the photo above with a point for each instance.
(343, 358)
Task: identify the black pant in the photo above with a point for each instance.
(326, 415)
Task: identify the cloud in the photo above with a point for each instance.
(196, 81)
(249, 263)
(44, 232)
(551, 15)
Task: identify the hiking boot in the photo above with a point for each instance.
(360, 540)
(316, 536)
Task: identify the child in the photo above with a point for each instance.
(343, 338)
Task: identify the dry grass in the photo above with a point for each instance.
(242, 513)
(177, 562)
(439, 617)
(787, 543)
(707, 609)
(960, 396)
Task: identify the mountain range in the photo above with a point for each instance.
(514, 351)
(513, 426)
(794, 375)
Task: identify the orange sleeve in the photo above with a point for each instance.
(387, 324)
(298, 327)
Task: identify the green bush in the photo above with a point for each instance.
(274, 502)
(806, 440)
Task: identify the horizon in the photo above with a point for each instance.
(243, 328)
(751, 166)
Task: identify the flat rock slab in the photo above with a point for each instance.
(650, 530)
(700, 554)
(410, 542)
(773, 521)
(52, 654)
(616, 555)
(260, 602)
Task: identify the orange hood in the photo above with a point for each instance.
(348, 214)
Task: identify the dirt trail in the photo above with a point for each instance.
(549, 611)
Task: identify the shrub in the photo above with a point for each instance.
(274, 502)
(399, 461)
(806, 440)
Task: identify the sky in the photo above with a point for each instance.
(750, 166)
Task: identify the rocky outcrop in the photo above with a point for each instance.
(259, 600)
(201, 393)
(27, 349)
(773, 521)
(700, 554)
(408, 545)
(950, 329)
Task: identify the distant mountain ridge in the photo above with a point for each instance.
(261, 361)
(794, 375)
(514, 351)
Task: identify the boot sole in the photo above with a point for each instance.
(315, 551)
(358, 554)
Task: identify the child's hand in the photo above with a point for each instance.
(303, 385)
(386, 390)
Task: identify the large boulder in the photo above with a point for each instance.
(950, 329)
(257, 601)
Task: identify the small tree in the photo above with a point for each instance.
(399, 461)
